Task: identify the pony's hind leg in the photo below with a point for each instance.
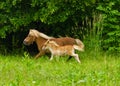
(77, 58)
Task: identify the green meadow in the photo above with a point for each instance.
(99, 70)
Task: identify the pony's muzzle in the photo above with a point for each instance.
(25, 43)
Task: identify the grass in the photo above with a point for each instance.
(93, 71)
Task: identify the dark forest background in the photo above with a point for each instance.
(95, 22)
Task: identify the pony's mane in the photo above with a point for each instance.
(39, 34)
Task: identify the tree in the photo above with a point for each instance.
(75, 18)
(111, 28)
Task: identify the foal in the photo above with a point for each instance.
(57, 50)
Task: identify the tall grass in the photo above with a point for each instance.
(25, 71)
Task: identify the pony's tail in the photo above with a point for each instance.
(78, 48)
(80, 44)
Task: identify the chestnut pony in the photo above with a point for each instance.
(40, 39)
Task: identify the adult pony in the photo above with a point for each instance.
(40, 39)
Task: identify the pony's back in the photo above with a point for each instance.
(64, 41)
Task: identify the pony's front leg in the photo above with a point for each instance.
(51, 58)
(39, 54)
(77, 58)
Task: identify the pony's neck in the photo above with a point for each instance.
(40, 41)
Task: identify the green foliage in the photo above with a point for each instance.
(20, 13)
(73, 18)
(53, 12)
(111, 27)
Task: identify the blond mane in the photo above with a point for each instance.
(39, 34)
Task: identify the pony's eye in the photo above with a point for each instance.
(29, 35)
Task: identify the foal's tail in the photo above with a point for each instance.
(78, 48)
(80, 44)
